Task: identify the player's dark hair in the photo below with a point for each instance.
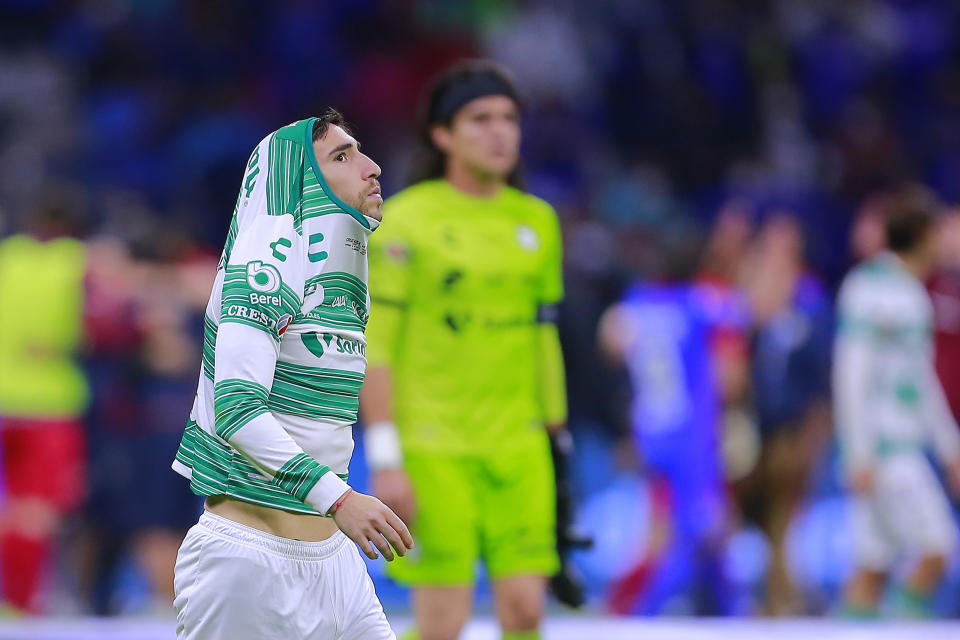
(907, 225)
(448, 92)
(330, 116)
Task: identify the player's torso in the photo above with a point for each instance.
(41, 307)
(468, 347)
(668, 363)
(322, 352)
(901, 316)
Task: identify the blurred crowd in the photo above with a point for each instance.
(748, 150)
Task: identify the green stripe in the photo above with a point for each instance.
(290, 368)
(299, 475)
(849, 324)
(347, 282)
(236, 402)
(218, 469)
(284, 177)
(315, 393)
(339, 284)
(231, 235)
(209, 345)
(331, 320)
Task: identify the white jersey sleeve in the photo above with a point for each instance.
(852, 362)
(944, 432)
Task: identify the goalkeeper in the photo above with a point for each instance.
(465, 375)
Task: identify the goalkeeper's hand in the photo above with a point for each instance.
(566, 586)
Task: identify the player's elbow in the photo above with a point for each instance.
(235, 403)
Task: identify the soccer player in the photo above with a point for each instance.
(269, 438)
(466, 374)
(661, 332)
(889, 408)
(43, 395)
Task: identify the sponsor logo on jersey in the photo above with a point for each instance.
(255, 315)
(527, 238)
(283, 323)
(264, 278)
(260, 298)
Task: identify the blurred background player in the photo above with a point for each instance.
(43, 392)
(269, 438)
(661, 333)
(465, 372)
(790, 369)
(890, 408)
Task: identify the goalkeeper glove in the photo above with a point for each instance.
(566, 585)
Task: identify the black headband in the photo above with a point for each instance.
(479, 85)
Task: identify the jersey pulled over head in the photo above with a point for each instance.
(284, 350)
(320, 150)
(471, 118)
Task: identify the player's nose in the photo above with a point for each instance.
(372, 170)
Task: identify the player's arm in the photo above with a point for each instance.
(390, 256)
(565, 585)
(851, 374)
(262, 291)
(615, 332)
(943, 429)
(550, 368)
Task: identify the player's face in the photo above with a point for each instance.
(351, 175)
(484, 137)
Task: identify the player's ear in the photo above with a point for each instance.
(441, 137)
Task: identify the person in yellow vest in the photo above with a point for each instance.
(43, 395)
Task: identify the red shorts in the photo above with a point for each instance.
(44, 458)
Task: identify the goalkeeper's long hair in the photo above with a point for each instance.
(448, 92)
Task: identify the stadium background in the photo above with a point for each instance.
(649, 125)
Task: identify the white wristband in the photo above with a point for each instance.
(381, 442)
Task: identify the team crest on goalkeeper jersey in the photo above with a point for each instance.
(527, 238)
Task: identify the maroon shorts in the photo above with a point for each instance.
(44, 458)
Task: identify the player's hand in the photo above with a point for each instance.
(370, 523)
(393, 487)
(862, 481)
(953, 476)
(567, 588)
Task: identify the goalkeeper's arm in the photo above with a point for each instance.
(565, 585)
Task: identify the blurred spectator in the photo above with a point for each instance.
(944, 287)
(43, 393)
(145, 317)
(790, 381)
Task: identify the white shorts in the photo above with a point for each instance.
(907, 513)
(233, 582)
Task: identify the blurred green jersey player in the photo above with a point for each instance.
(465, 375)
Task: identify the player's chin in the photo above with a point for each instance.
(501, 166)
(372, 209)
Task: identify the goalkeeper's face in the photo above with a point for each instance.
(350, 174)
(484, 137)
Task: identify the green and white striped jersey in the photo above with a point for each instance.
(887, 397)
(284, 352)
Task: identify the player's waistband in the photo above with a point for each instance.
(286, 547)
